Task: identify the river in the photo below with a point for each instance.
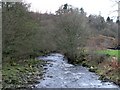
(60, 74)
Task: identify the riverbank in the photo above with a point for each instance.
(26, 73)
(21, 74)
(106, 66)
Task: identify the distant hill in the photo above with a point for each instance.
(101, 42)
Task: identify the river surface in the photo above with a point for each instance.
(60, 74)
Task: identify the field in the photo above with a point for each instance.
(115, 53)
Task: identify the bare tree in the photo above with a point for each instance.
(71, 32)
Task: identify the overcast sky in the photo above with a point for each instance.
(90, 6)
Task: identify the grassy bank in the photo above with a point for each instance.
(21, 74)
(110, 52)
(105, 63)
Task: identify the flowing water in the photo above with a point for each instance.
(60, 74)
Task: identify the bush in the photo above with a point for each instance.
(18, 30)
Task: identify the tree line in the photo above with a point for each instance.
(26, 34)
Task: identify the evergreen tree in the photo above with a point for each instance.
(108, 19)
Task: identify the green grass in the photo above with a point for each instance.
(21, 74)
(115, 53)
